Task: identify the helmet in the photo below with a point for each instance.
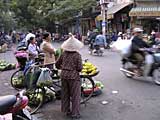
(135, 30)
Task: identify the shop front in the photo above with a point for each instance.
(147, 16)
(117, 17)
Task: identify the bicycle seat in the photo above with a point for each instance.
(6, 102)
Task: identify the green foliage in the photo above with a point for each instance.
(35, 13)
(7, 21)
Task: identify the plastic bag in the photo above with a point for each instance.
(122, 46)
(44, 76)
(32, 77)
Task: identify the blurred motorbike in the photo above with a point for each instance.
(96, 49)
(16, 106)
(130, 68)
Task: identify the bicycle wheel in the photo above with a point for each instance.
(17, 80)
(87, 88)
(36, 99)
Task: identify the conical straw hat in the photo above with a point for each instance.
(72, 44)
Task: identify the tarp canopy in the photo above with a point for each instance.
(150, 11)
(112, 10)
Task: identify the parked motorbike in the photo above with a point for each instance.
(97, 49)
(130, 69)
(15, 105)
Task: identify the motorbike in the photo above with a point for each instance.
(96, 49)
(130, 69)
(16, 105)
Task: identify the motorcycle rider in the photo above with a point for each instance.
(92, 38)
(100, 40)
(137, 44)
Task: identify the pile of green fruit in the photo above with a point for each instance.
(47, 83)
(89, 69)
(18, 82)
(98, 84)
(6, 66)
(35, 97)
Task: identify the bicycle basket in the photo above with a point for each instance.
(21, 58)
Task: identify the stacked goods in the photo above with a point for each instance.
(18, 82)
(47, 83)
(89, 69)
(6, 66)
(97, 89)
(37, 96)
(99, 84)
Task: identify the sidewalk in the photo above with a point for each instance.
(5, 76)
(9, 55)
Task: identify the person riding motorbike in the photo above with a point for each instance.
(100, 40)
(137, 45)
(92, 38)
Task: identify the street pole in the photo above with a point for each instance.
(103, 10)
(104, 4)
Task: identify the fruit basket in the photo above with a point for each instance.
(90, 75)
(89, 69)
(97, 89)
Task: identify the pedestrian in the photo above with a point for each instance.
(33, 49)
(39, 39)
(114, 37)
(30, 34)
(153, 38)
(120, 36)
(92, 38)
(89, 33)
(70, 63)
(48, 50)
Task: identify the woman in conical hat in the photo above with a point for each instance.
(70, 63)
(72, 44)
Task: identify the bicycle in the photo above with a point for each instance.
(18, 76)
(55, 86)
(18, 80)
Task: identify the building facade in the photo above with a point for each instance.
(118, 16)
(146, 14)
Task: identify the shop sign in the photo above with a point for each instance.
(151, 13)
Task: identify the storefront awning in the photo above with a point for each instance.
(114, 9)
(145, 11)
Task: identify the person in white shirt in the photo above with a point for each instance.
(33, 49)
(28, 36)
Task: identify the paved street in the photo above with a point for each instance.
(135, 100)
